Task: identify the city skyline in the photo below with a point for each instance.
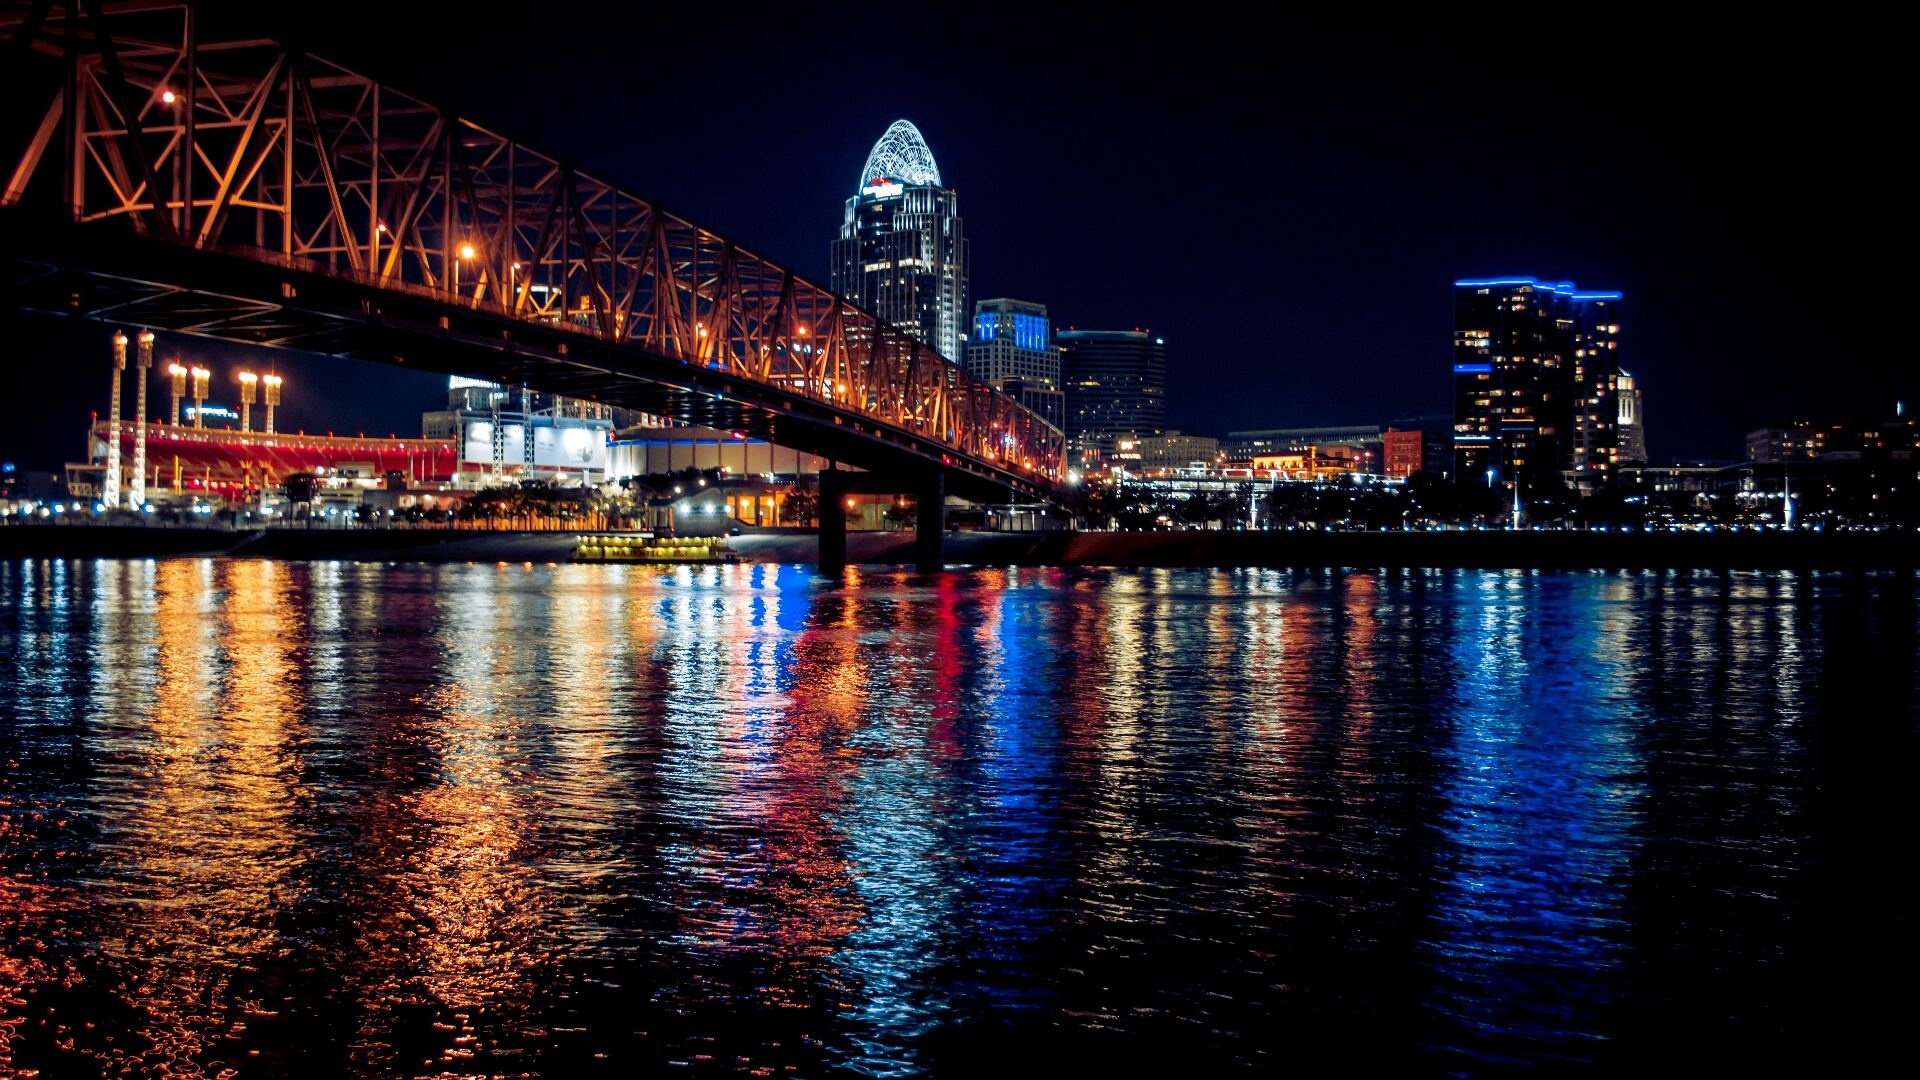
(1331, 306)
(515, 557)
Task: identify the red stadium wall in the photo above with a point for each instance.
(232, 463)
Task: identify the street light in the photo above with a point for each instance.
(466, 253)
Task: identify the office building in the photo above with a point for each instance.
(1807, 440)
(1536, 366)
(1012, 350)
(1116, 386)
(1366, 441)
(1403, 454)
(1165, 453)
(1593, 321)
(902, 252)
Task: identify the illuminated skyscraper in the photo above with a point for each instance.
(1593, 321)
(1012, 350)
(902, 252)
(1116, 383)
(1535, 374)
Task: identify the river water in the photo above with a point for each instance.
(265, 818)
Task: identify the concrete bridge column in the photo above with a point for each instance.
(833, 521)
(930, 524)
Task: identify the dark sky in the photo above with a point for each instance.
(1286, 203)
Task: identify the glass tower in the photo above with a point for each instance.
(902, 253)
(1116, 383)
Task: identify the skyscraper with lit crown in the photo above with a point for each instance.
(902, 252)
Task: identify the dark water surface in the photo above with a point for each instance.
(279, 818)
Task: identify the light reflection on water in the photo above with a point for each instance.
(265, 817)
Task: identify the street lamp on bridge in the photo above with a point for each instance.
(465, 253)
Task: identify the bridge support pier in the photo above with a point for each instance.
(833, 521)
(930, 523)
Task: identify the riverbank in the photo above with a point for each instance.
(1464, 550)
(360, 545)
(1489, 550)
(1523, 550)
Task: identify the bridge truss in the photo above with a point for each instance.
(138, 124)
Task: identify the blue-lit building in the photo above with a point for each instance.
(1536, 369)
(902, 251)
(1012, 349)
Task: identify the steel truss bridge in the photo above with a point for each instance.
(161, 176)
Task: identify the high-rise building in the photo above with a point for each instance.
(1012, 350)
(1116, 383)
(1535, 373)
(902, 252)
(1633, 420)
(1593, 321)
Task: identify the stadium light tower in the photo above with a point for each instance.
(144, 365)
(110, 484)
(177, 382)
(272, 385)
(200, 377)
(249, 385)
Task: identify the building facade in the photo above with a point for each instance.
(1012, 349)
(1403, 452)
(503, 432)
(1535, 372)
(1318, 464)
(1633, 424)
(1366, 441)
(1807, 440)
(1116, 386)
(902, 251)
(1166, 453)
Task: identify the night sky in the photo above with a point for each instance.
(1287, 204)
